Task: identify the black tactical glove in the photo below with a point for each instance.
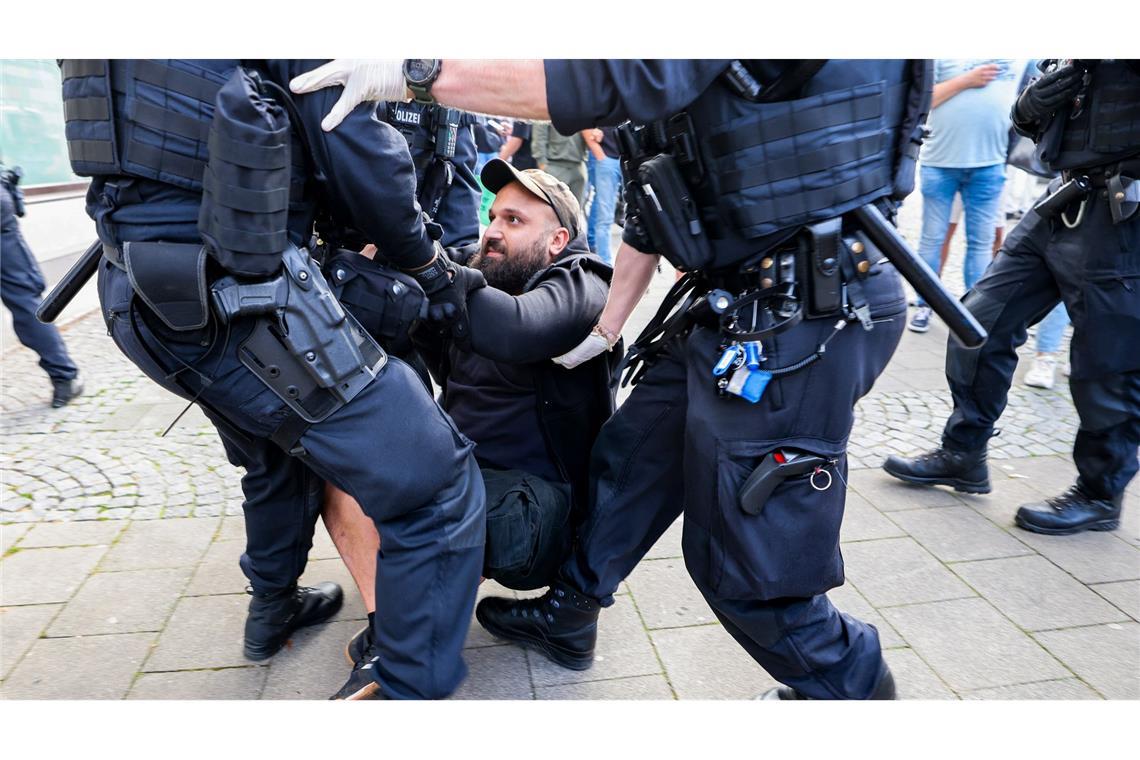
(447, 285)
(1044, 96)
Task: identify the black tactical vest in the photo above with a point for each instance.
(1105, 129)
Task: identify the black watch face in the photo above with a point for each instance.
(419, 70)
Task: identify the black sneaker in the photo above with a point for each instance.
(884, 690)
(561, 624)
(1071, 512)
(273, 617)
(357, 647)
(965, 471)
(360, 684)
(63, 391)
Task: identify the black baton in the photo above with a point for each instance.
(965, 329)
(72, 282)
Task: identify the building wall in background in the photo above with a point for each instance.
(31, 121)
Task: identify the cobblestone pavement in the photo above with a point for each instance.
(120, 552)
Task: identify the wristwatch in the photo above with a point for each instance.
(420, 74)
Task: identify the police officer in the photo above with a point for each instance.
(209, 150)
(1080, 245)
(748, 170)
(443, 149)
(21, 285)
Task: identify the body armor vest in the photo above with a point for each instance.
(1105, 129)
(770, 167)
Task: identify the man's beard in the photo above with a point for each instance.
(513, 271)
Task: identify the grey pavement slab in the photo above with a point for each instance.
(1048, 475)
(42, 576)
(219, 571)
(1067, 688)
(323, 547)
(895, 571)
(334, 570)
(847, 599)
(495, 673)
(863, 522)
(1104, 656)
(1035, 594)
(233, 529)
(970, 645)
(161, 543)
(203, 632)
(1089, 557)
(477, 636)
(704, 662)
(1000, 505)
(313, 666)
(913, 678)
(623, 650)
(126, 602)
(73, 534)
(10, 533)
(19, 629)
(956, 534)
(1124, 594)
(889, 495)
(666, 596)
(669, 545)
(639, 688)
(88, 667)
(226, 683)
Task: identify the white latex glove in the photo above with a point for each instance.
(363, 79)
(592, 346)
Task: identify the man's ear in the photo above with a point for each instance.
(558, 242)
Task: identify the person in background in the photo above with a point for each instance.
(604, 170)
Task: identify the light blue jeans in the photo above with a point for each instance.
(605, 177)
(1050, 330)
(981, 192)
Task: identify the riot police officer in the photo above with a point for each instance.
(1081, 245)
(181, 152)
(743, 176)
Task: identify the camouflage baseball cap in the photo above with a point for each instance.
(497, 174)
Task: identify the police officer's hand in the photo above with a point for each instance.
(447, 285)
(1042, 98)
(363, 79)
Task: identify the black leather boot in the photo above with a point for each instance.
(273, 617)
(1071, 512)
(965, 471)
(63, 391)
(561, 624)
(884, 690)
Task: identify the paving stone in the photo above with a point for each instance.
(895, 571)
(42, 576)
(203, 632)
(1090, 557)
(640, 688)
(161, 543)
(704, 662)
(913, 678)
(862, 522)
(20, 627)
(219, 571)
(623, 650)
(1105, 656)
(847, 599)
(323, 546)
(313, 666)
(1124, 594)
(1049, 476)
(495, 673)
(10, 534)
(88, 667)
(956, 534)
(1000, 505)
(72, 534)
(126, 602)
(666, 596)
(233, 529)
(888, 494)
(1068, 688)
(1035, 595)
(669, 545)
(228, 683)
(971, 646)
(477, 636)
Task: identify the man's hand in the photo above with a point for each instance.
(363, 79)
(594, 344)
(1045, 95)
(982, 75)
